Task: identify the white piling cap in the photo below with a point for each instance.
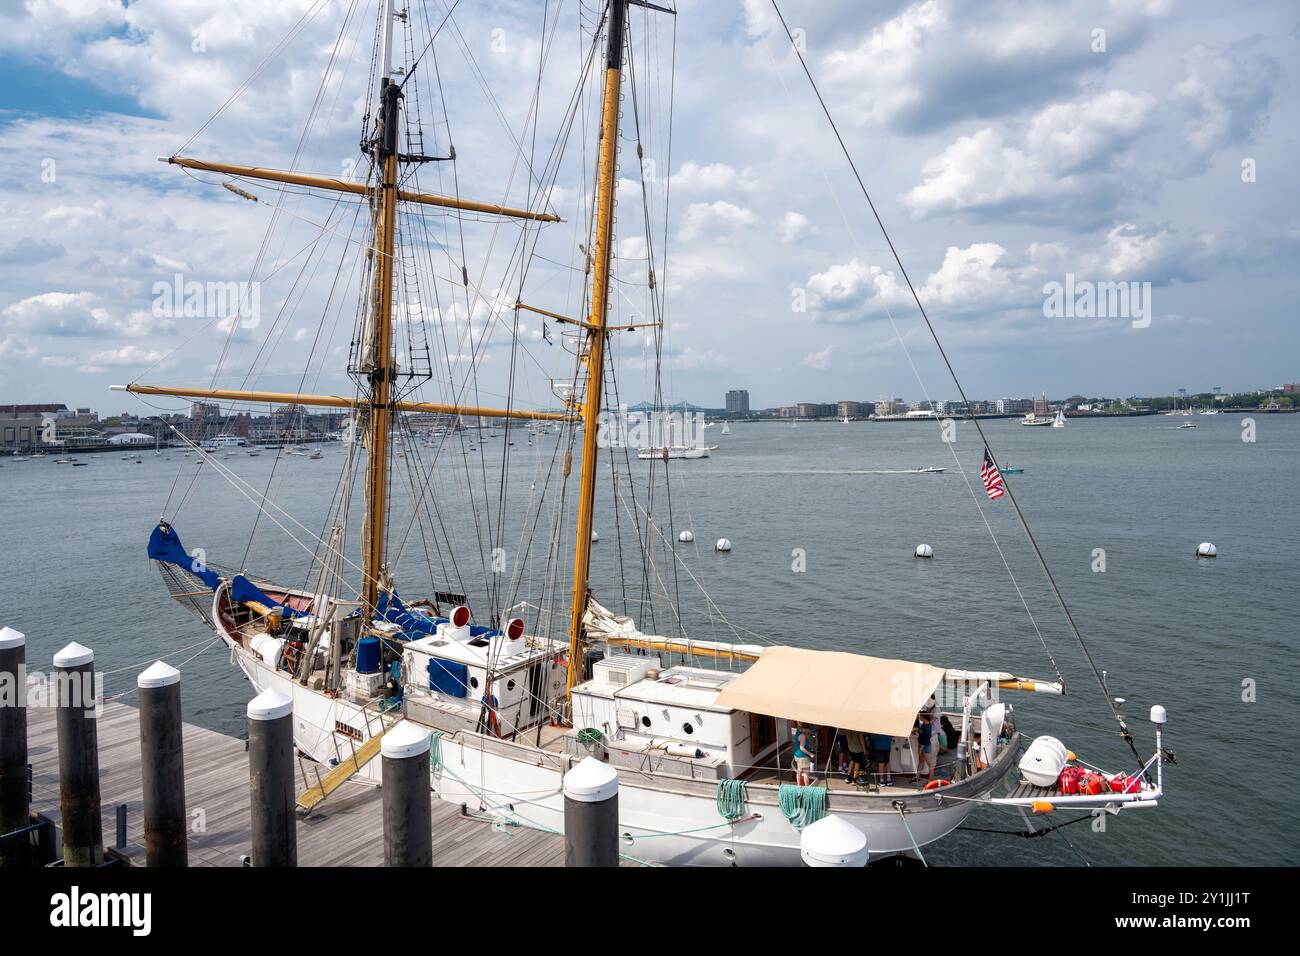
(269, 705)
(1158, 715)
(591, 781)
(405, 740)
(833, 841)
(924, 551)
(74, 655)
(158, 675)
(9, 638)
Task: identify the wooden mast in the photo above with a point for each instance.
(596, 332)
(379, 368)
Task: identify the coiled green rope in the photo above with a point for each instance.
(435, 750)
(732, 799)
(802, 805)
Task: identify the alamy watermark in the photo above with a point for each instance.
(650, 430)
(208, 300)
(63, 688)
(1085, 299)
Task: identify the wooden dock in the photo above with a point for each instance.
(344, 830)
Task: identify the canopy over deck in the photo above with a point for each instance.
(834, 689)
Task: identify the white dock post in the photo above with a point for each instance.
(591, 814)
(162, 763)
(833, 841)
(78, 735)
(270, 774)
(408, 812)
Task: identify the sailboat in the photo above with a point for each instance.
(699, 731)
(1059, 420)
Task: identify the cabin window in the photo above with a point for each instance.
(473, 682)
(510, 685)
(687, 729)
(645, 721)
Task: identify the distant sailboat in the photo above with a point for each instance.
(1059, 420)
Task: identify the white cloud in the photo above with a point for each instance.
(1223, 96)
(713, 219)
(818, 360)
(127, 355)
(692, 177)
(1059, 155)
(794, 227)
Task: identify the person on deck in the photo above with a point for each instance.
(881, 745)
(857, 745)
(803, 754)
(925, 747)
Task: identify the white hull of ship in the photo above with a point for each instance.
(522, 783)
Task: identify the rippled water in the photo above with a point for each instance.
(1168, 628)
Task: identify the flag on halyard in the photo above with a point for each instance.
(992, 478)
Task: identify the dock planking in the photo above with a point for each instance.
(345, 830)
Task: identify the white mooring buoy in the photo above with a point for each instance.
(724, 544)
(924, 551)
(1206, 550)
(832, 841)
(686, 536)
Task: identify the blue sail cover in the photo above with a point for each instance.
(242, 589)
(392, 609)
(165, 545)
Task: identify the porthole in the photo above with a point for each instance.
(510, 685)
(473, 682)
(645, 721)
(687, 729)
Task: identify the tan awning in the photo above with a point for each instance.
(848, 691)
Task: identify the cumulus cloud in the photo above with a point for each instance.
(713, 178)
(1224, 95)
(794, 227)
(713, 220)
(818, 360)
(1064, 157)
(937, 62)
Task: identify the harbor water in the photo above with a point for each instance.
(823, 519)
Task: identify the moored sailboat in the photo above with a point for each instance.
(703, 752)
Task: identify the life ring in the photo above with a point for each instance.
(936, 784)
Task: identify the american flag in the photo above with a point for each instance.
(991, 477)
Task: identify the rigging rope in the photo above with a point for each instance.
(1060, 599)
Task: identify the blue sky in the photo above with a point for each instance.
(1005, 146)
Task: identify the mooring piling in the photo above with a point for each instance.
(591, 814)
(408, 815)
(162, 766)
(15, 785)
(74, 696)
(270, 766)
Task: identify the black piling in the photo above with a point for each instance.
(591, 814)
(408, 813)
(15, 790)
(271, 778)
(162, 762)
(73, 692)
